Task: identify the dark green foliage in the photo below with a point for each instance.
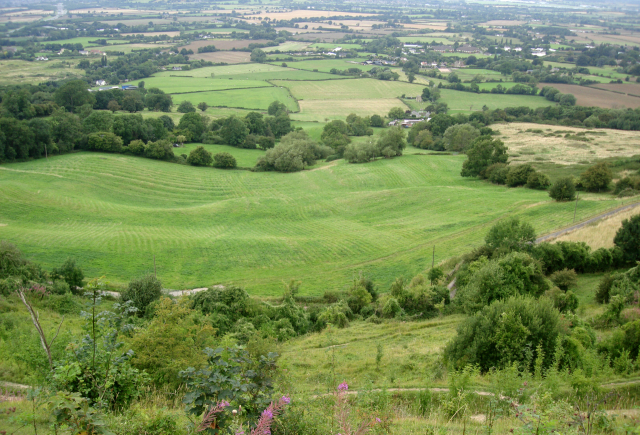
(337, 314)
(376, 121)
(628, 239)
(199, 157)
(391, 142)
(186, 107)
(104, 141)
(234, 132)
(396, 113)
(510, 235)
(157, 100)
(234, 376)
(258, 55)
(193, 126)
(518, 175)
(167, 122)
(597, 177)
(631, 340)
(460, 137)
(618, 284)
(266, 142)
(275, 108)
(294, 152)
(538, 180)
(360, 152)
(224, 160)
(70, 272)
(160, 150)
(565, 302)
(506, 332)
(12, 262)
(203, 106)
(564, 279)
(484, 152)
(550, 256)
(97, 121)
(133, 102)
(564, 189)
(73, 95)
(497, 173)
(335, 134)
(142, 292)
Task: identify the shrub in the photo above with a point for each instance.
(497, 173)
(266, 142)
(391, 142)
(199, 157)
(224, 160)
(360, 153)
(597, 177)
(537, 180)
(142, 292)
(550, 255)
(628, 239)
(63, 304)
(564, 279)
(58, 287)
(161, 150)
(104, 141)
(510, 235)
(294, 152)
(136, 147)
(484, 152)
(70, 272)
(518, 175)
(391, 308)
(506, 332)
(565, 302)
(186, 107)
(564, 189)
(337, 314)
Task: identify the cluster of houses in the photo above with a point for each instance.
(416, 117)
(380, 62)
(464, 49)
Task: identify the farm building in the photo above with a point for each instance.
(442, 48)
(468, 49)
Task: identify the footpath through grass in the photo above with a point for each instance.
(207, 226)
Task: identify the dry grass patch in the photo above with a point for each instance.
(601, 233)
(224, 56)
(319, 110)
(287, 15)
(589, 97)
(550, 145)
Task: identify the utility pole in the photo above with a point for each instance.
(575, 209)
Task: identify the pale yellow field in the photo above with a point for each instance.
(20, 19)
(224, 56)
(319, 110)
(123, 11)
(308, 14)
(20, 71)
(601, 233)
(535, 147)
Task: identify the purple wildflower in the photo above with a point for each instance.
(378, 420)
(343, 386)
(285, 400)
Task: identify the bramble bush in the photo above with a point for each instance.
(142, 292)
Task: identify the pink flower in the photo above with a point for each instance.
(285, 400)
(378, 420)
(343, 386)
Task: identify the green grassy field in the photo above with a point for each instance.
(254, 98)
(327, 65)
(244, 158)
(250, 71)
(179, 85)
(207, 226)
(350, 89)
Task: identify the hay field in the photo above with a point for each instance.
(466, 102)
(319, 110)
(287, 46)
(224, 56)
(21, 71)
(627, 88)
(321, 36)
(349, 89)
(169, 33)
(251, 71)
(600, 234)
(223, 44)
(588, 96)
(535, 147)
(327, 65)
(179, 85)
(254, 98)
(206, 226)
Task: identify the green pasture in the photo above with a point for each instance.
(349, 89)
(178, 85)
(205, 226)
(326, 46)
(251, 71)
(84, 40)
(252, 98)
(288, 46)
(326, 65)
(490, 86)
(466, 102)
(244, 158)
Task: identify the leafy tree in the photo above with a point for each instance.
(567, 100)
(113, 106)
(426, 94)
(142, 292)
(439, 123)
(358, 126)
(460, 137)
(564, 279)
(510, 235)
(186, 107)
(335, 135)
(154, 129)
(280, 124)
(74, 94)
(199, 157)
(507, 332)
(294, 152)
(411, 77)
(484, 152)
(391, 142)
(275, 108)
(194, 124)
(564, 189)
(70, 272)
(360, 152)
(234, 131)
(597, 177)
(396, 113)
(17, 104)
(41, 129)
(538, 180)
(224, 160)
(99, 120)
(161, 150)
(129, 127)
(158, 101)
(266, 142)
(136, 147)
(66, 130)
(19, 140)
(167, 121)
(376, 121)
(628, 239)
(258, 55)
(255, 123)
(104, 141)
(133, 102)
(203, 106)
(518, 175)
(174, 339)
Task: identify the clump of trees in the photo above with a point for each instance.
(295, 152)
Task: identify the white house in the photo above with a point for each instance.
(100, 82)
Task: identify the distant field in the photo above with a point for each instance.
(319, 110)
(224, 56)
(288, 46)
(468, 101)
(253, 71)
(533, 147)
(21, 71)
(128, 48)
(173, 85)
(207, 226)
(307, 14)
(588, 96)
(256, 98)
(348, 89)
(223, 44)
(327, 65)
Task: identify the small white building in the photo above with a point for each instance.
(100, 82)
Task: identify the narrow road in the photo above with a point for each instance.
(585, 223)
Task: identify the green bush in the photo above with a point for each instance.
(391, 308)
(537, 180)
(337, 314)
(142, 292)
(564, 189)
(360, 152)
(199, 157)
(628, 239)
(497, 173)
(565, 302)
(518, 175)
(58, 287)
(510, 235)
(104, 141)
(70, 272)
(186, 107)
(564, 279)
(597, 177)
(136, 147)
(63, 304)
(224, 160)
(506, 332)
